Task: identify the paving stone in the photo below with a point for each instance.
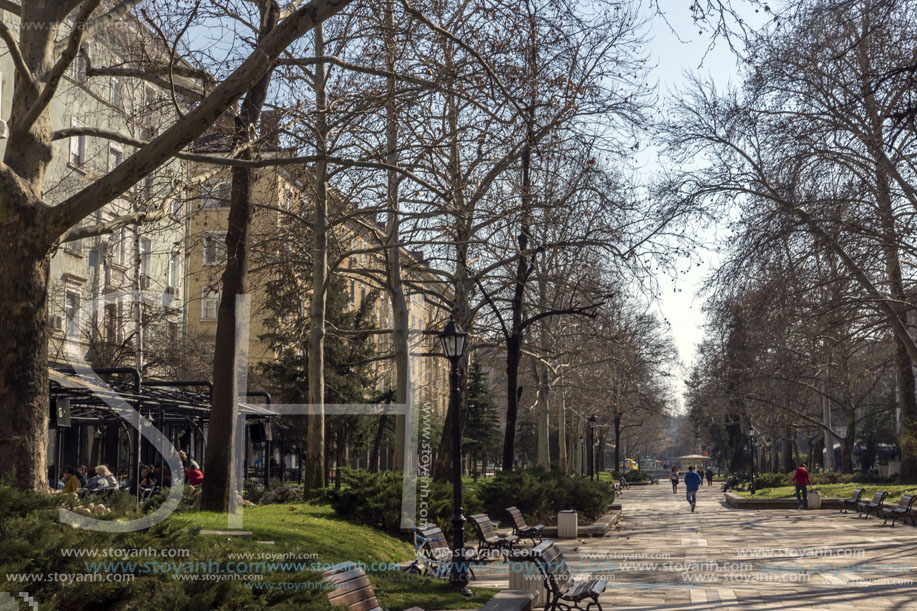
(662, 556)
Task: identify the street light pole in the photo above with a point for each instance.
(453, 343)
(591, 447)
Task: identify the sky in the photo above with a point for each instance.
(673, 53)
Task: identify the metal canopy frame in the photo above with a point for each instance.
(184, 403)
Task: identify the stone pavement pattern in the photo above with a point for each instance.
(662, 556)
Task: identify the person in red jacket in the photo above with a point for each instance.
(194, 475)
(801, 480)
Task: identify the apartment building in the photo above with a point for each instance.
(93, 280)
(280, 247)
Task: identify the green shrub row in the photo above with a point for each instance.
(776, 480)
(374, 499)
(635, 476)
(540, 494)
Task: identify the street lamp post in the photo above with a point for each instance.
(591, 447)
(453, 342)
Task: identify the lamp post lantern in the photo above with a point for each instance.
(453, 339)
(592, 446)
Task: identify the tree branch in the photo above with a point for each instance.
(193, 124)
(16, 54)
(57, 71)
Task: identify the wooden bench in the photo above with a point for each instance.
(851, 503)
(437, 553)
(522, 529)
(488, 539)
(351, 588)
(864, 507)
(561, 588)
(900, 511)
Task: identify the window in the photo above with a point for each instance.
(77, 146)
(74, 246)
(150, 100)
(119, 247)
(288, 199)
(116, 95)
(111, 322)
(146, 257)
(80, 67)
(174, 271)
(214, 247)
(72, 311)
(115, 156)
(215, 194)
(210, 304)
(176, 209)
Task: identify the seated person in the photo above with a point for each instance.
(102, 481)
(147, 479)
(164, 474)
(194, 475)
(731, 483)
(82, 473)
(70, 480)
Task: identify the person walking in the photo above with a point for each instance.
(801, 480)
(693, 480)
(674, 477)
(709, 476)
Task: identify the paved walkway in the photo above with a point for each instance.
(662, 556)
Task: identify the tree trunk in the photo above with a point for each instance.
(25, 246)
(904, 364)
(523, 268)
(395, 287)
(373, 466)
(600, 455)
(563, 464)
(541, 373)
(24, 408)
(315, 444)
(617, 423)
(226, 369)
(442, 470)
(787, 453)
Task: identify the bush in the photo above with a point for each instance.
(631, 476)
(540, 494)
(282, 495)
(374, 499)
(34, 540)
(776, 480)
(773, 480)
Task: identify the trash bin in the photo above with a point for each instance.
(524, 575)
(814, 500)
(567, 524)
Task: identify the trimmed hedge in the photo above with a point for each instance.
(540, 494)
(777, 480)
(374, 499)
(631, 476)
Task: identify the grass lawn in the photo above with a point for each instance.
(309, 529)
(316, 529)
(36, 543)
(836, 491)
